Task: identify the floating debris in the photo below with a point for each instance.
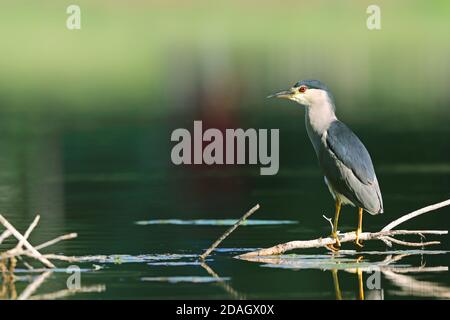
(214, 222)
(178, 263)
(185, 279)
(125, 258)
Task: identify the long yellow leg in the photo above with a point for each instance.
(359, 230)
(337, 244)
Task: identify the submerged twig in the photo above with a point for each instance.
(386, 235)
(228, 232)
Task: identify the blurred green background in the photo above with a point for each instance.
(154, 57)
(86, 117)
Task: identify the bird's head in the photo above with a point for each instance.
(307, 93)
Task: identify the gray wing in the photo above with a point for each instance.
(347, 165)
(349, 149)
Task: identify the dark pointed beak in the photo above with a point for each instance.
(285, 94)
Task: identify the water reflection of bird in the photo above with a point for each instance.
(345, 162)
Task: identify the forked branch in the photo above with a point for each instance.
(386, 235)
(24, 247)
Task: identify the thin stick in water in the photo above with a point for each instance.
(28, 232)
(228, 232)
(56, 240)
(6, 234)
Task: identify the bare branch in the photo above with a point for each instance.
(28, 232)
(416, 213)
(228, 232)
(24, 248)
(25, 242)
(413, 244)
(62, 258)
(68, 292)
(346, 237)
(386, 235)
(6, 234)
(32, 287)
(56, 240)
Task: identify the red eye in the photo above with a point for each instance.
(302, 89)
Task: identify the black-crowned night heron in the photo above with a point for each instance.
(345, 162)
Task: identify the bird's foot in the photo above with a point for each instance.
(336, 245)
(357, 241)
(332, 247)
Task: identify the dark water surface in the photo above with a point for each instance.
(98, 178)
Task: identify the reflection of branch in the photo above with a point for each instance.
(8, 279)
(32, 287)
(416, 269)
(23, 249)
(68, 292)
(229, 289)
(398, 269)
(382, 235)
(395, 273)
(349, 266)
(411, 286)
